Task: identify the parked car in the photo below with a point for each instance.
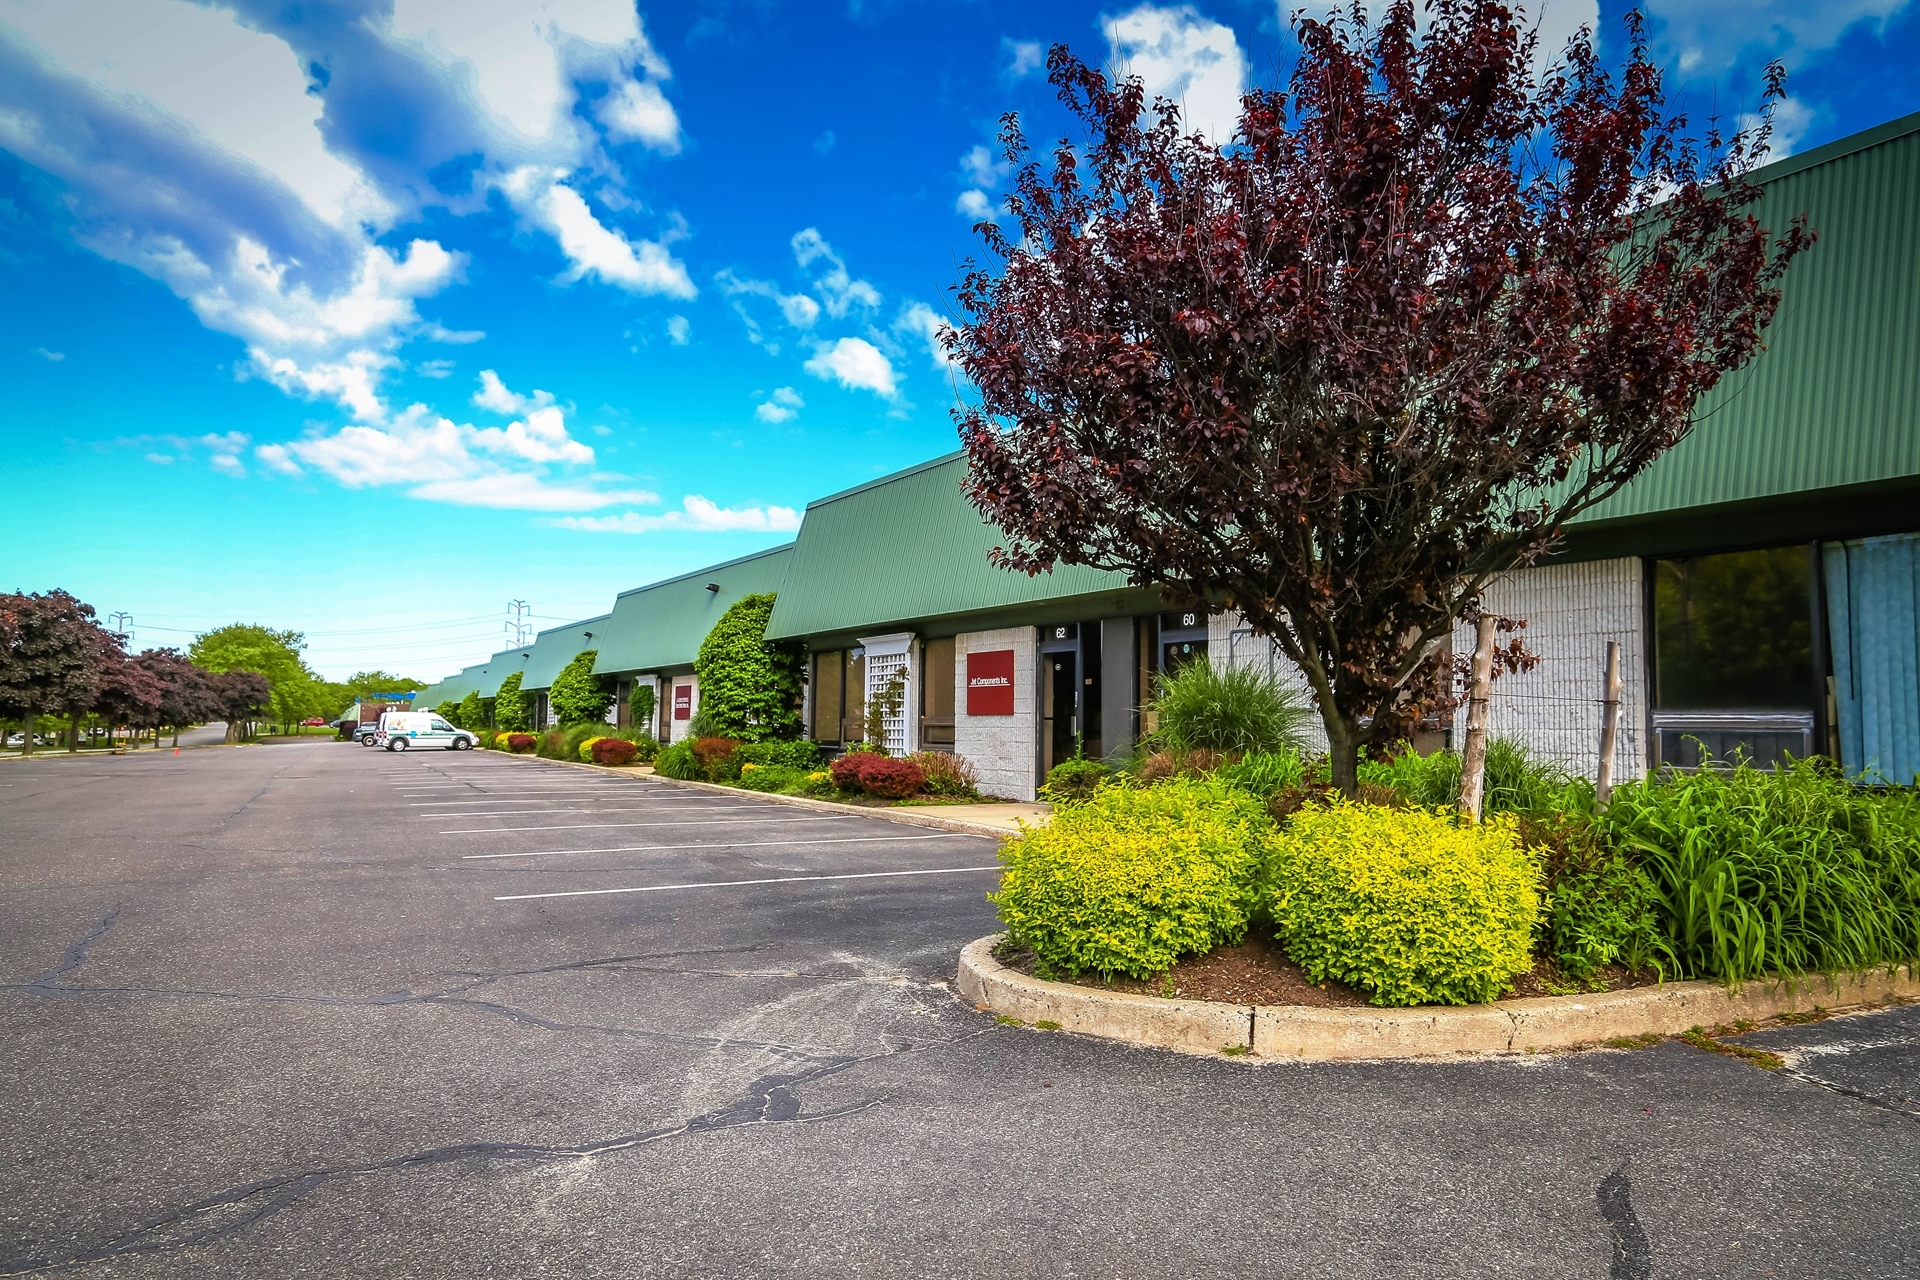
(314, 722)
(403, 730)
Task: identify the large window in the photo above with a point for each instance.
(1733, 661)
(936, 694)
(839, 694)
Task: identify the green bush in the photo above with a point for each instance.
(640, 704)
(472, 715)
(771, 777)
(564, 744)
(1072, 781)
(1791, 870)
(1266, 773)
(1599, 906)
(797, 753)
(1405, 903)
(1229, 708)
(1514, 782)
(677, 761)
(1132, 879)
(578, 696)
(510, 711)
(749, 687)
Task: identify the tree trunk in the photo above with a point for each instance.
(1343, 750)
(73, 733)
(26, 745)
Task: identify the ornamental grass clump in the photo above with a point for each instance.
(1791, 870)
(1202, 707)
(1131, 879)
(1405, 904)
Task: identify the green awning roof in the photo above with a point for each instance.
(554, 648)
(659, 627)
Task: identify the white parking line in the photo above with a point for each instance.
(497, 813)
(732, 884)
(730, 844)
(438, 804)
(583, 826)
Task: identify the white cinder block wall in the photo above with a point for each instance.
(1224, 648)
(1571, 612)
(1002, 748)
(678, 730)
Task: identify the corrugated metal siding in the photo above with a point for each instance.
(555, 648)
(1835, 398)
(658, 627)
(905, 548)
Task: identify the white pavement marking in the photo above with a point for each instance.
(441, 804)
(734, 884)
(729, 844)
(625, 808)
(697, 822)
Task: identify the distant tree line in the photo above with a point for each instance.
(58, 663)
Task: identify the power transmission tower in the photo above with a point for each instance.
(122, 628)
(519, 630)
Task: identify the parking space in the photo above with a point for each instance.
(313, 1009)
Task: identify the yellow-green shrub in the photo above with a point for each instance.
(1131, 880)
(1405, 903)
(586, 748)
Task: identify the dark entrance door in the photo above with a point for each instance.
(1059, 707)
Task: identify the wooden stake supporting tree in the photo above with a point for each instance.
(1473, 760)
(1609, 727)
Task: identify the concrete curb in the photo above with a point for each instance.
(907, 817)
(1300, 1033)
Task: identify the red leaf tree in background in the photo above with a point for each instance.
(1338, 375)
(52, 656)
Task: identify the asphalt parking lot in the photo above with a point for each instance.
(316, 1010)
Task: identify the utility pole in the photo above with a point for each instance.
(1473, 764)
(518, 628)
(1609, 727)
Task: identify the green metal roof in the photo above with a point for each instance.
(906, 550)
(554, 648)
(1834, 401)
(660, 626)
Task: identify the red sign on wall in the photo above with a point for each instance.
(683, 702)
(990, 683)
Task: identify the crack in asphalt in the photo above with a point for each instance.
(769, 1099)
(1632, 1254)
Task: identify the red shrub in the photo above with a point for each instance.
(710, 751)
(614, 751)
(846, 769)
(521, 743)
(892, 779)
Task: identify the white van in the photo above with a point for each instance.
(401, 730)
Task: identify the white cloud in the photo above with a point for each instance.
(434, 368)
(797, 309)
(55, 356)
(837, 290)
(1791, 120)
(248, 153)
(696, 514)
(981, 169)
(446, 461)
(975, 204)
(160, 459)
(783, 404)
(493, 394)
(228, 464)
(1188, 59)
(638, 266)
(1024, 57)
(856, 364)
(1707, 37)
(638, 112)
(919, 321)
(679, 330)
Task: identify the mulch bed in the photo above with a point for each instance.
(1258, 971)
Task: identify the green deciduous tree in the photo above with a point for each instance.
(510, 711)
(240, 646)
(749, 687)
(578, 696)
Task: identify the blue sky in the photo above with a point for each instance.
(363, 317)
